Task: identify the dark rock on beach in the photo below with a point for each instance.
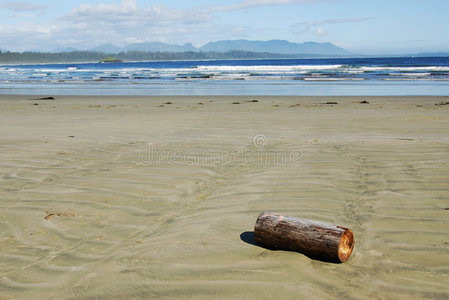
(44, 98)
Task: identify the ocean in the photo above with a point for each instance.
(396, 76)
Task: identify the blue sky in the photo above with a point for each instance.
(361, 26)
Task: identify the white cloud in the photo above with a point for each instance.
(318, 27)
(247, 4)
(320, 31)
(125, 21)
(22, 6)
(26, 36)
(128, 13)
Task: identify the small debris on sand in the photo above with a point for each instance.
(330, 102)
(52, 214)
(364, 102)
(253, 101)
(443, 208)
(168, 102)
(44, 98)
(235, 102)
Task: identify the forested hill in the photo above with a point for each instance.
(93, 56)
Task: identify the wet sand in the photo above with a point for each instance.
(137, 198)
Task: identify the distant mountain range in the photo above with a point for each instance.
(107, 48)
(430, 54)
(285, 48)
(159, 47)
(273, 46)
(65, 49)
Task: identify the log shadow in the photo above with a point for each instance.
(248, 237)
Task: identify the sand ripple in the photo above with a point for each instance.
(87, 220)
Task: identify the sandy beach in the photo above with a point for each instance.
(156, 197)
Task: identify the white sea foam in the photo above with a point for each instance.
(332, 79)
(405, 69)
(415, 79)
(167, 73)
(258, 70)
(267, 68)
(409, 74)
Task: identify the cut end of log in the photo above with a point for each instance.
(346, 245)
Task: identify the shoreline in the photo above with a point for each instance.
(285, 97)
(155, 196)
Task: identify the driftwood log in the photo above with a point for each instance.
(317, 240)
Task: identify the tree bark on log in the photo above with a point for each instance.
(317, 240)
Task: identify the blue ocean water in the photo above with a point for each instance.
(289, 77)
